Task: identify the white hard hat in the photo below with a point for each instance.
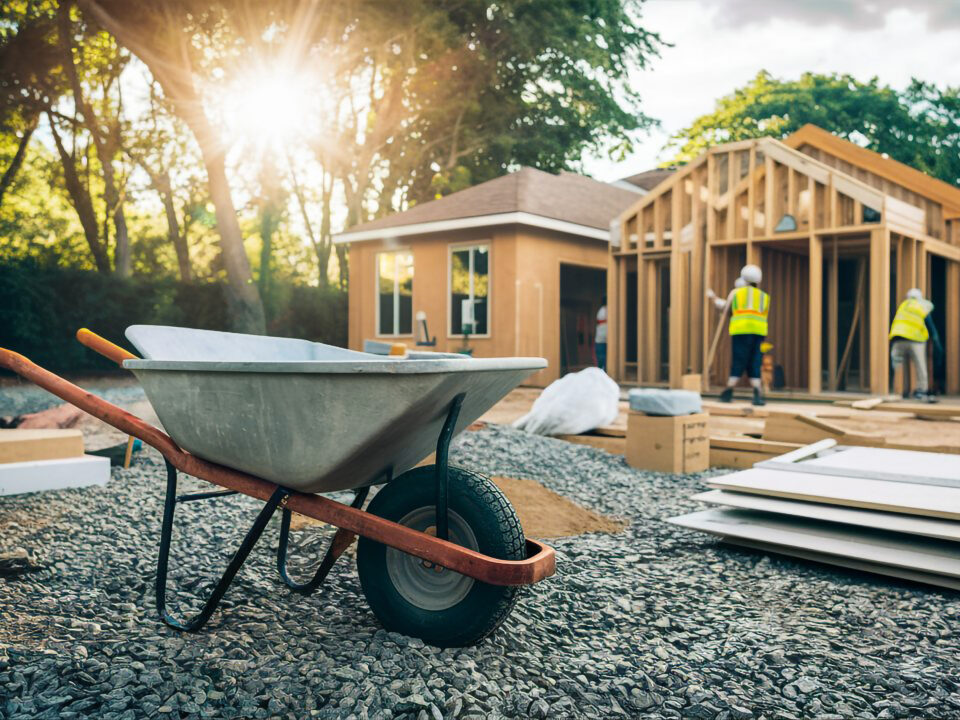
(752, 274)
(739, 283)
(915, 294)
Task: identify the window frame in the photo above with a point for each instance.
(469, 245)
(396, 294)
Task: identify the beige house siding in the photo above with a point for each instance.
(524, 297)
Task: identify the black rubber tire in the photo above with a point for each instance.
(498, 533)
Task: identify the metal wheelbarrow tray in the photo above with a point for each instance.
(441, 553)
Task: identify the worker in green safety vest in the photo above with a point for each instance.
(912, 327)
(749, 307)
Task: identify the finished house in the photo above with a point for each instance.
(513, 266)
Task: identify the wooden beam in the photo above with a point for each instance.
(815, 318)
(879, 319)
(698, 279)
(833, 311)
(951, 344)
(751, 193)
(731, 206)
(678, 315)
(615, 317)
(657, 222)
(768, 202)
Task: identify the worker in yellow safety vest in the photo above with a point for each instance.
(749, 307)
(911, 328)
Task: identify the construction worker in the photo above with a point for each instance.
(749, 308)
(911, 328)
(600, 339)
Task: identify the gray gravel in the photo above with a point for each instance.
(656, 621)
(18, 397)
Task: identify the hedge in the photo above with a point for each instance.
(41, 309)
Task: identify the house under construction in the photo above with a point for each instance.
(841, 234)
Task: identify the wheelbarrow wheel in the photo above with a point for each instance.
(442, 607)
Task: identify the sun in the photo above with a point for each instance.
(269, 107)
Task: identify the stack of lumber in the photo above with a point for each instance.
(887, 511)
(32, 460)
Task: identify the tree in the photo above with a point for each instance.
(91, 57)
(919, 126)
(167, 38)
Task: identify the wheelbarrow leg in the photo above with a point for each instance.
(342, 539)
(442, 464)
(199, 620)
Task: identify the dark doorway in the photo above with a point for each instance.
(581, 294)
(938, 296)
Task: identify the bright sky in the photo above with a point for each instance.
(719, 45)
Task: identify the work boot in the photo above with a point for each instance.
(727, 395)
(927, 397)
(758, 397)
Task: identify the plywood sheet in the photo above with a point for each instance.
(904, 466)
(850, 563)
(927, 500)
(35, 444)
(895, 522)
(874, 546)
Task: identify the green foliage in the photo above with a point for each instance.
(919, 126)
(45, 305)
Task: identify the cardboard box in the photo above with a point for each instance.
(26, 445)
(678, 444)
(690, 382)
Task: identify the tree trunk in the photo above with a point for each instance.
(266, 249)
(174, 73)
(179, 242)
(11, 172)
(82, 203)
(245, 303)
(121, 248)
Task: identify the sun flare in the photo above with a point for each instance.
(269, 107)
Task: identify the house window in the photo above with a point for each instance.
(395, 293)
(469, 289)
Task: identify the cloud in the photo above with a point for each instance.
(850, 14)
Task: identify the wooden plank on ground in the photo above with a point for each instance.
(912, 499)
(895, 522)
(728, 410)
(909, 552)
(750, 444)
(737, 459)
(26, 445)
(867, 404)
(614, 445)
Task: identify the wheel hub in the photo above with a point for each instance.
(424, 584)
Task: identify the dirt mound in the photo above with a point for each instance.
(545, 514)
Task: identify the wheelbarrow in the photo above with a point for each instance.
(441, 554)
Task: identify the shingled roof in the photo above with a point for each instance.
(649, 179)
(567, 198)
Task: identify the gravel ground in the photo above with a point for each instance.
(21, 397)
(655, 622)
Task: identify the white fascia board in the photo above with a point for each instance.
(519, 218)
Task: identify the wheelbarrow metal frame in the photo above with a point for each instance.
(350, 520)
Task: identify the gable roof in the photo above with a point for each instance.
(649, 179)
(565, 202)
(874, 162)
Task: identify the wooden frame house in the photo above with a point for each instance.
(841, 234)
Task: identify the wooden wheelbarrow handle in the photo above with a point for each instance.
(104, 347)
(539, 564)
